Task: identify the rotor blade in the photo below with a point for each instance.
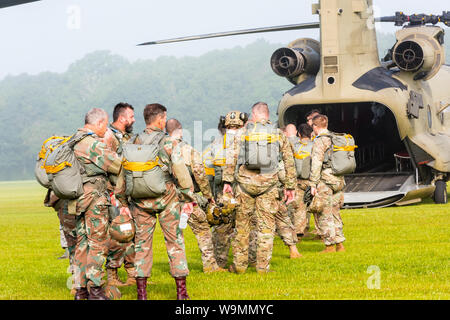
(312, 25)
(10, 3)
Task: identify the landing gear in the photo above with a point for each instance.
(440, 193)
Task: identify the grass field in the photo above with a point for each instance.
(406, 248)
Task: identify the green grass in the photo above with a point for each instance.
(410, 246)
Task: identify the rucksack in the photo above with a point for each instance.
(261, 147)
(144, 173)
(63, 170)
(47, 147)
(302, 158)
(341, 154)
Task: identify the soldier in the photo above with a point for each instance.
(310, 115)
(327, 188)
(168, 206)
(118, 133)
(254, 164)
(230, 128)
(96, 161)
(197, 221)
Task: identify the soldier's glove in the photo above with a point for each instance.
(307, 198)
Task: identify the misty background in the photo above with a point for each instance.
(60, 58)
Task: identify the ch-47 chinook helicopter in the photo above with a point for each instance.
(396, 109)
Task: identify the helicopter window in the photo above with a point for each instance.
(430, 120)
(331, 80)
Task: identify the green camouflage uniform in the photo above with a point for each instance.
(329, 191)
(168, 207)
(119, 253)
(92, 208)
(197, 221)
(67, 221)
(264, 206)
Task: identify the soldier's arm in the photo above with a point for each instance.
(120, 188)
(199, 174)
(288, 160)
(317, 157)
(179, 169)
(231, 157)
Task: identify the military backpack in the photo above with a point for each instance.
(341, 155)
(261, 148)
(62, 169)
(145, 175)
(302, 157)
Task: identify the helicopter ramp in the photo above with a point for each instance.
(377, 190)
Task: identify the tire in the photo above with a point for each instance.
(440, 193)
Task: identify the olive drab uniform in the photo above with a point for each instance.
(299, 211)
(96, 161)
(197, 221)
(119, 253)
(329, 190)
(257, 194)
(167, 207)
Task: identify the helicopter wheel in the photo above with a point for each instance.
(440, 193)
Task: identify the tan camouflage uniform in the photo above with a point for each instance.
(168, 209)
(119, 253)
(92, 209)
(329, 191)
(197, 221)
(264, 206)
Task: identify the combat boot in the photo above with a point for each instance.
(97, 293)
(131, 280)
(141, 284)
(328, 249)
(81, 294)
(340, 247)
(113, 277)
(181, 288)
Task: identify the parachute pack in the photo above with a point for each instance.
(261, 147)
(145, 175)
(341, 154)
(302, 157)
(58, 168)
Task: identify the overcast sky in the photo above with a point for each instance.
(51, 34)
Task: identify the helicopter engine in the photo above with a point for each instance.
(301, 56)
(419, 50)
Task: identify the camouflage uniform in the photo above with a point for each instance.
(119, 253)
(197, 221)
(66, 220)
(168, 207)
(218, 155)
(329, 191)
(265, 205)
(92, 208)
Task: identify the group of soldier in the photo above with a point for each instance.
(230, 200)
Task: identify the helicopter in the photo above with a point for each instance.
(396, 108)
(11, 3)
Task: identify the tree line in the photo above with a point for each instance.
(34, 107)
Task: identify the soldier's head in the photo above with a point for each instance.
(96, 120)
(304, 131)
(319, 123)
(123, 117)
(174, 128)
(290, 130)
(221, 126)
(260, 112)
(235, 119)
(155, 115)
(310, 115)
